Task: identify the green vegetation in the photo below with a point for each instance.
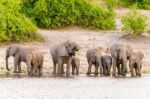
(14, 26)
(142, 4)
(134, 23)
(60, 13)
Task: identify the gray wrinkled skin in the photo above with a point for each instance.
(120, 54)
(19, 53)
(62, 54)
(135, 63)
(106, 64)
(94, 58)
(34, 62)
(75, 62)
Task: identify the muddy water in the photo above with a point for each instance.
(75, 88)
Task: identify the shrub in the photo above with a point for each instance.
(143, 4)
(14, 26)
(134, 23)
(60, 13)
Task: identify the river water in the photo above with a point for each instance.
(81, 87)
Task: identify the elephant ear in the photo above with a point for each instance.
(129, 51)
(13, 50)
(62, 51)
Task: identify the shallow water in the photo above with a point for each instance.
(81, 87)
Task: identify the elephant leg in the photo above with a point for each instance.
(119, 68)
(89, 69)
(19, 66)
(101, 70)
(68, 67)
(29, 67)
(114, 61)
(131, 70)
(96, 70)
(16, 61)
(62, 69)
(73, 70)
(124, 67)
(54, 67)
(138, 71)
(34, 69)
(60, 63)
(40, 68)
(77, 70)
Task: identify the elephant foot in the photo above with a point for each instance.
(19, 72)
(132, 75)
(77, 73)
(88, 73)
(96, 74)
(67, 75)
(124, 75)
(73, 73)
(15, 72)
(138, 75)
(62, 72)
(114, 75)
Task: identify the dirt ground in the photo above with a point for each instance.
(86, 39)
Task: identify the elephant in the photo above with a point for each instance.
(120, 55)
(94, 58)
(62, 54)
(75, 62)
(135, 63)
(106, 61)
(19, 53)
(34, 62)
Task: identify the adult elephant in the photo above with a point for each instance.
(62, 54)
(120, 54)
(19, 53)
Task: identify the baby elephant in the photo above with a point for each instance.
(94, 58)
(106, 64)
(34, 62)
(135, 62)
(75, 62)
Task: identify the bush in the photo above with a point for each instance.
(14, 26)
(134, 23)
(60, 13)
(143, 4)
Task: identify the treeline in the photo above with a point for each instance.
(59, 13)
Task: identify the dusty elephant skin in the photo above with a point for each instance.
(135, 63)
(19, 53)
(106, 64)
(94, 58)
(62, 54)
(34, 62)
(75, 62)
(120, 54)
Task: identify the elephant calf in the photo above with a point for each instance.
(34, 62)
(94, 58)
(135, 62)
(75, 62)
(106, 64)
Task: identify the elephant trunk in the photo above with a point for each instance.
(6, 58)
